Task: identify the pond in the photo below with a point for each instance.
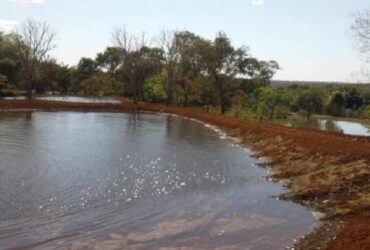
(125, 181)
(345, 127)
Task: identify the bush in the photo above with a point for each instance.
(99, 84)
(153, 90)
(269, 100)
(366, 112)
(281, 112)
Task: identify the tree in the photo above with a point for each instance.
(223, 62)
(9, 65)
(64, 78)
(190, 48)
(46, 77)
(139, 60)
(353, 99)
(311, 100)
(33, 41)
(3, 81)
(205, 94)
(361, 30)
(86, 68)
(153, 90)
(99, 84)
(9, 68)
(110, 60)
(337, 103)
(270, 99)
(168, 44)
(266, 70)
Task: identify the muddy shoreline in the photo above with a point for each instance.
(328, 172)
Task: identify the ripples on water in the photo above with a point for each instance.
(75, 180)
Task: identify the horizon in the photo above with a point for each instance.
(310, 40)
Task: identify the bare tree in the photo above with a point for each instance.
(123, 39)
(361, 30)
(167, 42)
(128, 41)
(33, 41)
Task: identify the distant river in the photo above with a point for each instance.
(124, 181)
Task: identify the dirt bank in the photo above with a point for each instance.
(326, 171)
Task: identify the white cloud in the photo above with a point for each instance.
(27, 2)
(7, 26)
(258, 2)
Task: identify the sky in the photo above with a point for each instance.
(310, 39)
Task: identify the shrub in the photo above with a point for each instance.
(99, 84)
(153, 90)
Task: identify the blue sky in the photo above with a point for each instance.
(311, 39)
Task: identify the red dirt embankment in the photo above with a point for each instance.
(326, 171)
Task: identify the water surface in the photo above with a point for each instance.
(338, 126)
(124, 181)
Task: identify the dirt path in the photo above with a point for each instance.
(325, 171)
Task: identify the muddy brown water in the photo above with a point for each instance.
(147, 181)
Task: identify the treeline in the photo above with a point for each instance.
(176, 68)
(277, 102)
(179, 68)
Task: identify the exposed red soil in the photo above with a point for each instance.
(355, 234)
(326, 171)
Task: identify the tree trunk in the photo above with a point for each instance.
(170, 85)
(29, 88)
(186, 99)
(221, 93)
(169, 92)
(222, 99)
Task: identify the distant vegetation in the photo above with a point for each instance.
(176, 68)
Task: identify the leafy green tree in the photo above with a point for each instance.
(266, 70)
(140, 61)
(271, 100)
(9, 65)
(154, 90)
(86, 68)
(353, 99)
(366, 112)
(337, 103)
(9, 68)
(64, 79)
(99, 84)
(138, 66)
(200, 92)
(169, 44)
(46, 77)
(3, 81)
(311, 100)
(222, 62)
(190, 65)
(110, 60)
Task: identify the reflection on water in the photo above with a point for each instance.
(69, 99)
(344, 127)
(83, 180)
